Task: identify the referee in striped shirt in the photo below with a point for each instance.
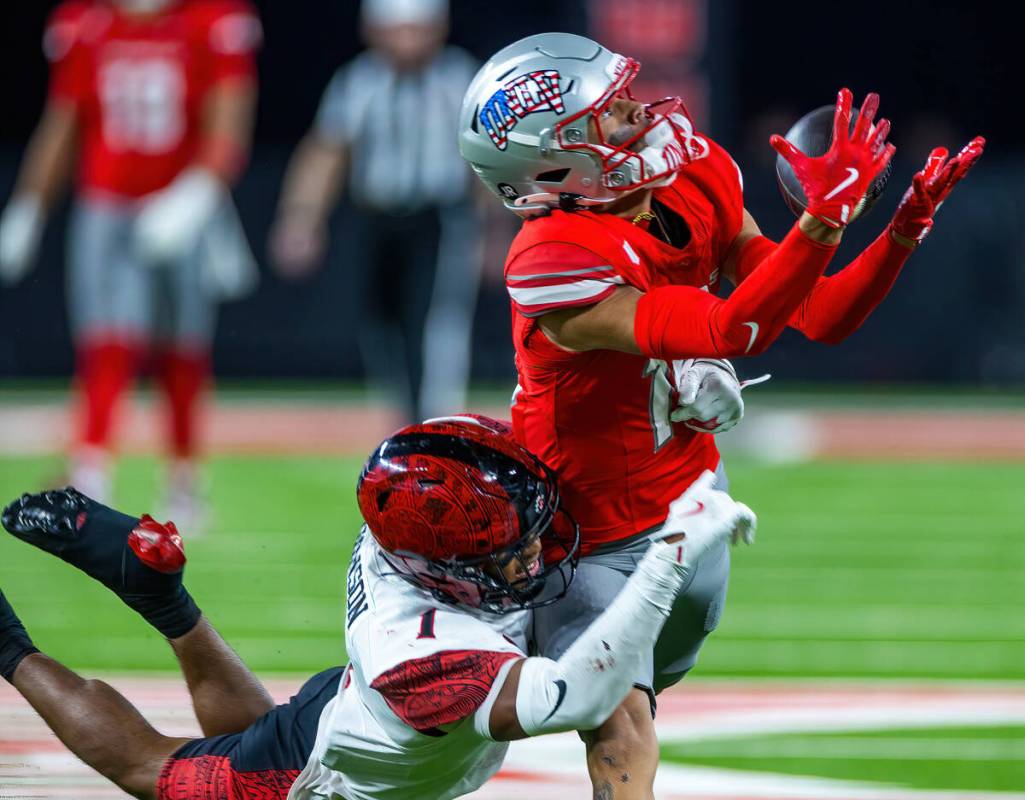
(386, 129)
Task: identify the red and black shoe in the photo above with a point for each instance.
(139, 559)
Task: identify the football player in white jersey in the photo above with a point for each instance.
(464, 530)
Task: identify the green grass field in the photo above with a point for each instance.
(936, 758)
(861, 570)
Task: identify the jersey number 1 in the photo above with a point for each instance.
(427, 625)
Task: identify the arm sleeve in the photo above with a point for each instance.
(582, 689)
(234, 35)
(334, 122)
(442, 688)
(62, 51)
(684, 322)
(839, 304)
(552, 276)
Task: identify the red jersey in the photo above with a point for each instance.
(600, 419)
(139, 82)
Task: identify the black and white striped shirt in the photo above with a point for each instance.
(400, 128)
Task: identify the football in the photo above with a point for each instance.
(812, 134)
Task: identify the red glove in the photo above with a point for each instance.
(930, 187)
(835, 182)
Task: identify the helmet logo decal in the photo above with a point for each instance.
(527, 94)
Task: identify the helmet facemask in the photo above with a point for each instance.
(650, 157)
(469, 516)
(480, 582)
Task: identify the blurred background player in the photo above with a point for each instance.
(154, 99)
(387, 129)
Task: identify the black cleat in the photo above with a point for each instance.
(138, 559)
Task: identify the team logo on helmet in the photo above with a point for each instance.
(528, 94)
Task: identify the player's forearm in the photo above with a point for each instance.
(50, 155)
(681, 322)
(582, 689)
(229, 114)
(839, 304)
(312, 181)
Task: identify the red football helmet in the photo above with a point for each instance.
(452, 500)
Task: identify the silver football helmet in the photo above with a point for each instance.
(529, 127)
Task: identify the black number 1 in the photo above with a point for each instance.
(427, 625)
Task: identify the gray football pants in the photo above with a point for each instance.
(112, 290)
(602, 575)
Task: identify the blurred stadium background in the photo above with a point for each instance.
(875, 637)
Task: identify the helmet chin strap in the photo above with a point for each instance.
(540, 203)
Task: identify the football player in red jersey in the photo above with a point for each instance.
(154, 99)
(633, 218)
(440, 586)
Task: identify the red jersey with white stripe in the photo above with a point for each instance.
(402, 726)
(600, 419)
(138, 83)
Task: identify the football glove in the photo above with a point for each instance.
(706, 517)
(171, 221)
(709, 394)
(21, 227)
(929, 188)
(835, 182)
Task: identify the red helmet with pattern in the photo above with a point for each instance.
(453, 500)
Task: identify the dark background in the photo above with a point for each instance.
(945, 71)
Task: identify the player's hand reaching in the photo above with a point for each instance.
(701, 519)
(929, 188)
(836, 181)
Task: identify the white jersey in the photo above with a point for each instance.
(402, 725)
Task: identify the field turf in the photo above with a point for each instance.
(934, 758)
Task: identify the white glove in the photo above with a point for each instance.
(171, 221)
(21, 227)
(229, 269)
(707, 517)
(709, 394)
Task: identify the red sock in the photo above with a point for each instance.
(104, 370)
(183, 375)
